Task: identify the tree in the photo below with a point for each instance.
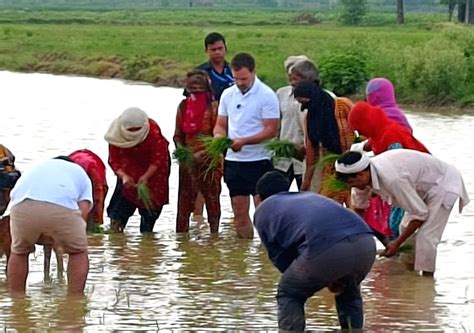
(400, 12)
(353, 11)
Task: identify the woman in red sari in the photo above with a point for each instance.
(197, 116)
(95, 169)
(138, 154)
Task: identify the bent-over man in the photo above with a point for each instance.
(50, 204)
(424, 186)
(315, 243)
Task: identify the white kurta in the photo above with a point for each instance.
(425, 187)
(291, 128)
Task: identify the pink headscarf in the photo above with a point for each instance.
(381, 93)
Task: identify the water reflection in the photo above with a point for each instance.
(167, 281)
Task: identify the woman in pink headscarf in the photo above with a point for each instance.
(381, 93)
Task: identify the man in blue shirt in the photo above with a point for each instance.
(315, 243)
(217, 67)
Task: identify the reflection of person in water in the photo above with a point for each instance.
(58, 314)
(412, 306)
(135, 255)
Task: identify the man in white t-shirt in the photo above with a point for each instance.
(50, 204)
(249, 115)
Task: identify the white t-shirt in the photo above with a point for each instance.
(55, 181)
(245, 114)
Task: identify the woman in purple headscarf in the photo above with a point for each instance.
(381, 93)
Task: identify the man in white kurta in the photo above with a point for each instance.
(424, 186)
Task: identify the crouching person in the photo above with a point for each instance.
(50, 204)
(95, 169)
(315, 243)
(138, 154)
(8, 176)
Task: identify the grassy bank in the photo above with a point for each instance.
(428, 60)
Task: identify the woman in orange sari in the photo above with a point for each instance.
(196, 117)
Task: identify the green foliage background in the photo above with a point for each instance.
(429, 60)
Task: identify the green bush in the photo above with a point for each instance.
(435, 72)
(343, 73)
(353, 11)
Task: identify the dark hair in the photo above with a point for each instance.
(349, 158)
(197, 76)
(272, 182)
(213, 38)
(243, 60)
(64, 158)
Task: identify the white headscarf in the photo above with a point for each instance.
(119, 135)
(291, 60)
(359, 166)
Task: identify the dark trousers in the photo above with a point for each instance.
(341, 268)
(120, 210)
(290, 174)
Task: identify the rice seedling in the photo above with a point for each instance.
(183, 155)
(144, 196)
(280, 148)
(331, 184)
(406, 248)
(94, 228)
(334, 185)
(214, 148)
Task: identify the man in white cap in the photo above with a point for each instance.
(424, 186)
(291, 127)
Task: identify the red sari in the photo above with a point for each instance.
(193, 179)
(95, 169)
(135, 161)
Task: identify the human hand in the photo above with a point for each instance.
(300, 152)
(200, 156)
(142, 180)
(237, 144)
(128, 181)
(391, 249)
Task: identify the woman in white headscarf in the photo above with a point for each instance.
(138, 154)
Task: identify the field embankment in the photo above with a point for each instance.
(431, 62)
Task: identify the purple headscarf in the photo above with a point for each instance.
(381, 93)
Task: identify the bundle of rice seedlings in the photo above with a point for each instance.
(183, 155)
(215, 147)
(94, 228)
(332, 184)
(328, 159)
(281, 148)
(406, 248)
(144, 196)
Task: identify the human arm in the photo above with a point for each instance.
(220, 129)
(269, 131)
(312, 157)
(393, 246)
(115, 158)
(85, 206)
(148, 173)
(178, 137)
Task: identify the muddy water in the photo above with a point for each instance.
(168, 281)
